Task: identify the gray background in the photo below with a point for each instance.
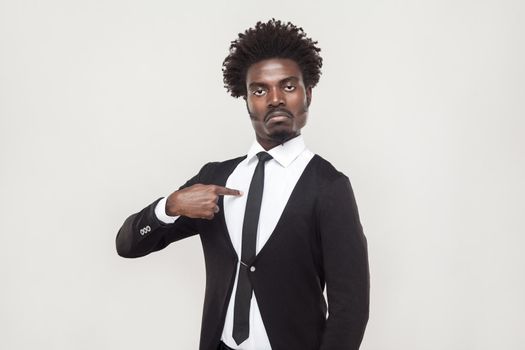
(107, 105)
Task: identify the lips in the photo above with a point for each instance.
(278, 113)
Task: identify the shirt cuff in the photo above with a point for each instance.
(160, 212)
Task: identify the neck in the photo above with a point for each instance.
(268, 144)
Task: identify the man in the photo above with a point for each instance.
(277, 224)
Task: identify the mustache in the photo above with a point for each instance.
(278, 111)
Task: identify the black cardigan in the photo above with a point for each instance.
(318, 239)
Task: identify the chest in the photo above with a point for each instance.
(279, 182)
(287, 228)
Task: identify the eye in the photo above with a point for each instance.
(289, 87)
(259, 92)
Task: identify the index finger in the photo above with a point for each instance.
(220, 190)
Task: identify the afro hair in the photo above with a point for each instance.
(273, 39)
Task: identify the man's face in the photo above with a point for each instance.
(277, 100)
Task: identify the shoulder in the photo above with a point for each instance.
(326, 173)
(215, 168)
(335, 191)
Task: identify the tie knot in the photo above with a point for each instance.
(263, 156)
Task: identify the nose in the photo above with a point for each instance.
(275, 97)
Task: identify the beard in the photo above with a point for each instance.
(281, 136)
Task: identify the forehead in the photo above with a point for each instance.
(273, 70)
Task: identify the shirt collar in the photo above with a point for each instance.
(284, 153)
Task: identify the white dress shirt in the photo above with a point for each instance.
(281, 175)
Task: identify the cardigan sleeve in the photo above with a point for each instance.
(345, 265)
(143, 233)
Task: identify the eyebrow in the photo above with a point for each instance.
(290, 78)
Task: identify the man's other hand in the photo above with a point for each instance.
(198, 201)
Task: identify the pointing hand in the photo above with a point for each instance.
(198, 201)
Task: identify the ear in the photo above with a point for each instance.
(308, 95)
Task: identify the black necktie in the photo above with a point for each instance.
(241, 313)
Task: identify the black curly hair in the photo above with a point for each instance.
(273, 39)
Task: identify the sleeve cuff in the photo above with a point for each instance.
(160, 212)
